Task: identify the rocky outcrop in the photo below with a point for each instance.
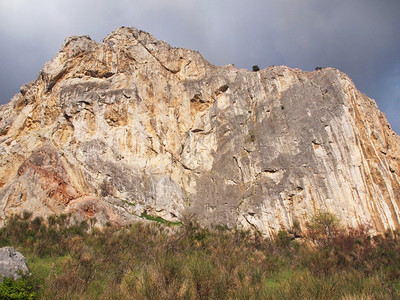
(12, 263)
(133, 125)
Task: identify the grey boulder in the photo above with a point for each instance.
(12, 263)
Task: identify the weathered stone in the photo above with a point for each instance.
(12, 263)
(132, 124)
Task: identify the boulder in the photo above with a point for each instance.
(12, 263)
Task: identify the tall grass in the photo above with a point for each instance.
(71, 260)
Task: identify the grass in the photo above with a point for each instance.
(149, 261)
(160, 220)
(44, 267)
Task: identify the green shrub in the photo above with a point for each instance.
(16, 289)
(322, 227)
(283, 239)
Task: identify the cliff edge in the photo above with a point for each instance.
(132, 125)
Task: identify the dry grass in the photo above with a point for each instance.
(190, 262)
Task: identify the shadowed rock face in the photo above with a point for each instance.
(131, 125)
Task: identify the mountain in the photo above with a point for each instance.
(133, 127)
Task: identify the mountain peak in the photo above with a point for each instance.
(132, 125)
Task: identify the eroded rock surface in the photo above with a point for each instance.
(132, 124)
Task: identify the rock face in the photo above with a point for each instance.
(12, 263)
(134, 125)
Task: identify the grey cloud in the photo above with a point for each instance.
(359, 37)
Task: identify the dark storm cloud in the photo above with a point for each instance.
(359, 37)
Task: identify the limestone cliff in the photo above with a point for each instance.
(133, 125)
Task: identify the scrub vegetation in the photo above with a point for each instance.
(155, 260)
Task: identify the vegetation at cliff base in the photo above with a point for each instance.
(152, 260)
(16, 289)
(159, 219)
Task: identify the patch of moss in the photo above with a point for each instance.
(159, 220)
(128, 203)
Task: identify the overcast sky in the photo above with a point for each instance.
(359, 37)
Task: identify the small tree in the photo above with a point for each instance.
(256, 68)
(322, 227)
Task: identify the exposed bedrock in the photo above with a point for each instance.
(133, 125)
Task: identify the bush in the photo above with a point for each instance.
(154, 261)
(283, 239)
(16, 289)
(323, 226)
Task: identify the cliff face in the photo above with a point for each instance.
(133, 125)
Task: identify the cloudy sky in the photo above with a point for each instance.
(359, 37)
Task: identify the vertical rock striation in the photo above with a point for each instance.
(134, 125)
